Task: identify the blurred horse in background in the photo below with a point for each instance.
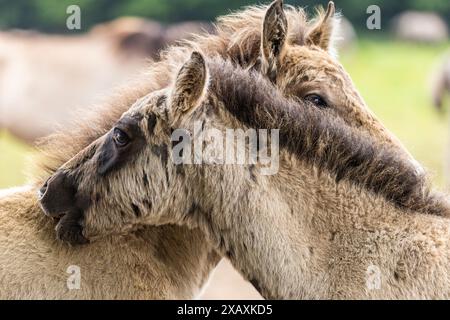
(441, 88)
(185, 30)
(44, 78)
(441, 83)
(419, 26)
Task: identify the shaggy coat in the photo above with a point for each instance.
(166, 262)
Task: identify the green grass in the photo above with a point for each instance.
(13, 159)
(393, 79)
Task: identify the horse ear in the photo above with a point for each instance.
(190, 84)
(274, 36)
(322, 32)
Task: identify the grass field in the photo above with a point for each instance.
(13, 160)
(392, 78)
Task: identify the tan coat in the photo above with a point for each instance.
(344, 217)
(166, 262)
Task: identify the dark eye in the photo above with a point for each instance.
(120, 138)
(316, 100)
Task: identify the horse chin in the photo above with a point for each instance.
(70, 231)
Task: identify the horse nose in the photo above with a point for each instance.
(57, 195)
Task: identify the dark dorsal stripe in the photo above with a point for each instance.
(322, 139)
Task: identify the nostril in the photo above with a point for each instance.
(43, 190)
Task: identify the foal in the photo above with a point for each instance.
(340, 207)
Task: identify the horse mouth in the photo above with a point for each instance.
(69, 229)
(69, 226)
(59, 199)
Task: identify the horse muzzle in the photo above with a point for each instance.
(59, 198)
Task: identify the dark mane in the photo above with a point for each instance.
(324, 140)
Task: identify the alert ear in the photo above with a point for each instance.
(273, 41)
(321, 33)
(190, 84)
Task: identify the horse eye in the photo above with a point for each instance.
(120, 138)
(316, 100)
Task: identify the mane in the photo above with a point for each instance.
(323, 140)
(240, 32)
(235, 37)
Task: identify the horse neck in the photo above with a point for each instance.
(284, 232)
(159, 262)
